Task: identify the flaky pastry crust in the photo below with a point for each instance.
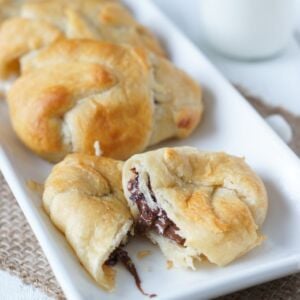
(215, 200)
(76, 93)
(83, 198)
(37, 24)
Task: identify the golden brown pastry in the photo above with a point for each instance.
(8, 9)
(84, 199)
(40, 22)
(79, 94)
(194, 204)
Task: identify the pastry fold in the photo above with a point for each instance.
(84, 199)
(76, 93)
(195, 204)
(36, 24)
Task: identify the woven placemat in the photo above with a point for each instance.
(20, 252)
(21, 255)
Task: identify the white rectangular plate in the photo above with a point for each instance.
(230, 124)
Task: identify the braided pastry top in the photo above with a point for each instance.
(76, 93)
(37, 23)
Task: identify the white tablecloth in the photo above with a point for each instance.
(277, 81)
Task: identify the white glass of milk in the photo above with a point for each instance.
(248, 29)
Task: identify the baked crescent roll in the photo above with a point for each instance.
(195, 204)
(84, 199)
(39, 23)
(79, 93)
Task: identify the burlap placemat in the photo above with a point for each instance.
(20, 252)
(21, 255)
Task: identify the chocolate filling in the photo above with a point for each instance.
(155, 219)
(122, 255)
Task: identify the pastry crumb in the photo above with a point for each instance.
(35, 186)
(148, 269)
(142, 254)
(169, 264)
(98, 151)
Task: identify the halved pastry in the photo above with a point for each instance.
(78, 94)
(194, 204)
(84, 199)
(39, 23)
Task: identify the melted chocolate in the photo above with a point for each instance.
(155, 219)
(122, 255)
